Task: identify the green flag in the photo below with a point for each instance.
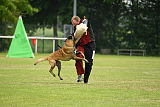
(20, 46)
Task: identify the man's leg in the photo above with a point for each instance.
(79, 64)
(89, 55)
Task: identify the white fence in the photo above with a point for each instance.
(131, 52)
(32, 37)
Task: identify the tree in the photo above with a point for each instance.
(9, 13)
(11, 9)
(104, 16)
(50, 11)
(131, 24)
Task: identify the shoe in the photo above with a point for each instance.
(79, 78)
(86, 83)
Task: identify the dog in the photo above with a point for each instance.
(66, 53)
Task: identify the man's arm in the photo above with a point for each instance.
(85, 21)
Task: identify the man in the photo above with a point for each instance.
(87, 46)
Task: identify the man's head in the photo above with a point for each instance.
(75, 20)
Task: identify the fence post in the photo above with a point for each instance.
(36, 47)
(43, 36)
(118, 52)
(130, 52)
(53, 45)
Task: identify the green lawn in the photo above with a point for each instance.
(115, 81)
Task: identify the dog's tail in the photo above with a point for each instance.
(40, 60)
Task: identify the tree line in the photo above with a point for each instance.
(117, 24)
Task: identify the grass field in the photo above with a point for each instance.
(115, 81)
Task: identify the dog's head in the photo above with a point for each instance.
(71, 37)
(70, 40)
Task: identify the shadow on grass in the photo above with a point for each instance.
(50, 83)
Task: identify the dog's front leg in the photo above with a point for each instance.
(79, 58)
(79, 52)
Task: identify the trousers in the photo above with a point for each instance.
(89, 55)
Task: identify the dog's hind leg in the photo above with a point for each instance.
(52, 63)
(58, 64)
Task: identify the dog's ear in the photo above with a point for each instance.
(72, 34)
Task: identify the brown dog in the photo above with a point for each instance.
(66, 53)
